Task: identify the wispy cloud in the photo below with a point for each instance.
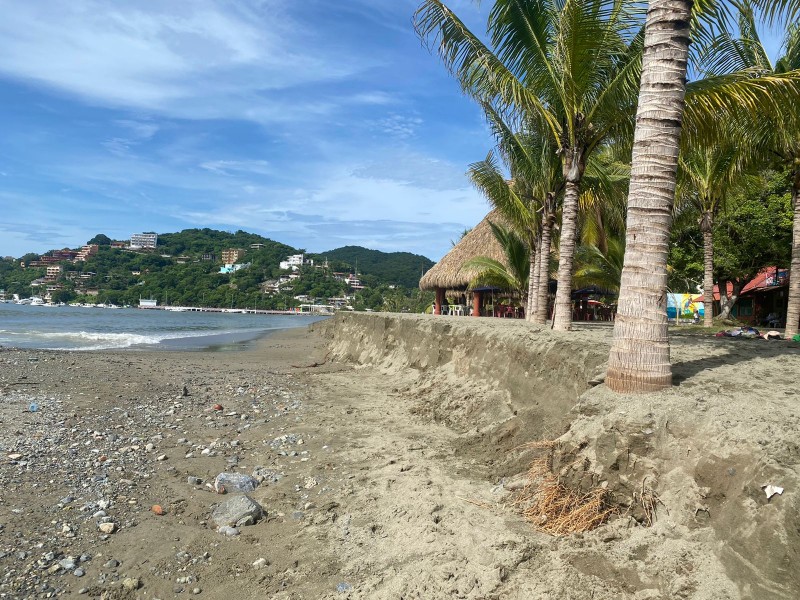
(228, 167)
(321, 121)
(399, 126)
(213, 58)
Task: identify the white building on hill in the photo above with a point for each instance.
(294, 262)
(144, 240)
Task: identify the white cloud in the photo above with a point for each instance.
(201, 59)
(399, 126)
(228, 167)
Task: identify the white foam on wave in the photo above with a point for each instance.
(103, 340)
(110, 341)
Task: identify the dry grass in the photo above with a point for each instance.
(555, 509)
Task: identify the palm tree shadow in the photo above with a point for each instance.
(738, 351)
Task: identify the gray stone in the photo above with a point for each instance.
(239, 509)
(235, 482)
(229, 531)
(67, 563)
(79, 572)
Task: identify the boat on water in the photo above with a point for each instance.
(32, 301)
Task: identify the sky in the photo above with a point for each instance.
(318, 124)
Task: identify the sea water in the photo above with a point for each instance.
(82, 328)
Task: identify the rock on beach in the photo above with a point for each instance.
(237, 512)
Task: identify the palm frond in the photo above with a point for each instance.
(731, 97)
(604, 270)
(487, 178)
(480, 72)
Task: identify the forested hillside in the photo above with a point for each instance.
(399, 268)
(184, 269)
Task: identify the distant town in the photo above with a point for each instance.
(203, 269)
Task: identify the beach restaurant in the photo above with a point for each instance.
(454, 286)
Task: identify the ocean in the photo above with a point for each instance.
(80, 328)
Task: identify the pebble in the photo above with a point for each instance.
(131, 583)
(92, 463)
(229, 531)
(261, 562)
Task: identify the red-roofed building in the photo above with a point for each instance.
(766, 294)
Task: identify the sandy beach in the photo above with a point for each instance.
(388, 451)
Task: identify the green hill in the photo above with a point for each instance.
(184, 269)
(398, 268)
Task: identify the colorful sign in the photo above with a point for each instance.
(682, 306)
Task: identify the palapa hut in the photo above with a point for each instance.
(448, 273)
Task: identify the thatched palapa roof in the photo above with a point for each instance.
(480, 241)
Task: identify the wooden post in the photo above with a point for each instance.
(476, 304)
(437, 307)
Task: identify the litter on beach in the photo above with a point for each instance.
(749, 333)
(770, 490)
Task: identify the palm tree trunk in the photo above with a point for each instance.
(639, 358)
(793, 308)
(573, 171)
(708, 278)
(533, 284)
(544, 270)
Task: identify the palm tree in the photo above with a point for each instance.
(512, 276)
(528, 201)
(639, 357)
(706, 175)
(781, 137)
(572, 65)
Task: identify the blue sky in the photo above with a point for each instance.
(315, 123)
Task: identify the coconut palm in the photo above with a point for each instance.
(781, 137)
(639, 357)
(572, 65)
(528, 200)
(512, 276)
(706, 175)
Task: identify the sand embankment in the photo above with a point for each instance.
(685, 468)
(387, 445)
